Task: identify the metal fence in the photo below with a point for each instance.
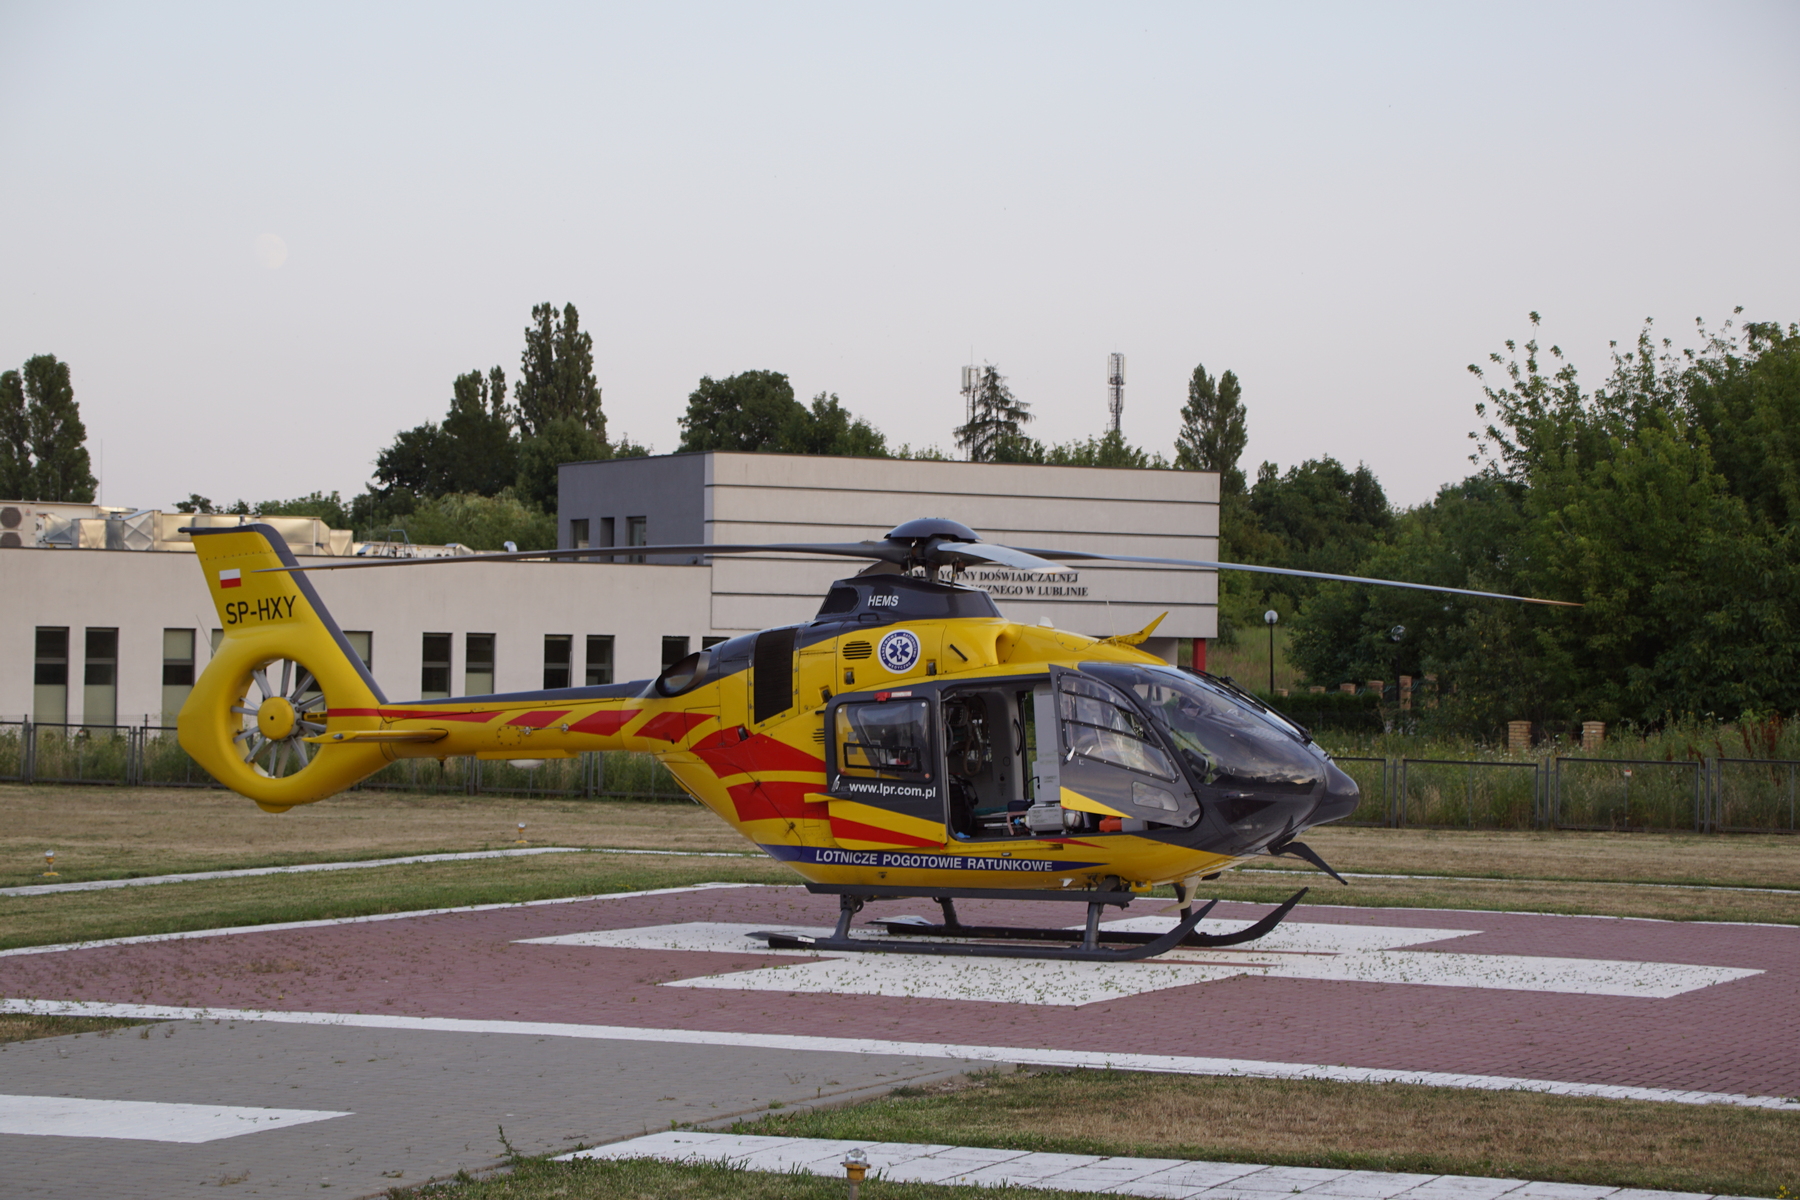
(150, 756)
(1715, 795)
(1752, 794)
(1628, 793)
(1447, 793)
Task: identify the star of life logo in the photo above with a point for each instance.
(898, 651)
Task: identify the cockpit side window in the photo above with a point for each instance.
(1100, 724)
(888, 739)
(1224, 742)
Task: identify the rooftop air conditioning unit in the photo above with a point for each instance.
(18, 526)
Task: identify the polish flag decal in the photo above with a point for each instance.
(231, 578)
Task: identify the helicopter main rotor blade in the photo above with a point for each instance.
(1086, 556)
(986, 552)
(885, 551)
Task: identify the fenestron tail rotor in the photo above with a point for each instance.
(289, 708)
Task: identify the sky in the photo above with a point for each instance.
(266, 237)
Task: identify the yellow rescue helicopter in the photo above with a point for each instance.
(908, 741)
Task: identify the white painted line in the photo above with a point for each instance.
(1160, 1177)
(96, 885)
(1252, 872)
(1295, 950)
(142, 1120)
(281, 926)
(1028, 1056)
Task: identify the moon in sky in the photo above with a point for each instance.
(271, 251)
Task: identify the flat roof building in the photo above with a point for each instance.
(103, 629)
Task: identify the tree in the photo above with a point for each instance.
(479, 452)
(1661, 501)
(756, 411)
(830, 428)
(1109, 450)
(1323, 515)
(994, 431)
(556, 373)
(478, 522)
(752, 410)
(45, 454)
(15, 439)
(1214, 429)
(563, 440)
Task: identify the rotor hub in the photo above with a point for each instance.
(275, 718)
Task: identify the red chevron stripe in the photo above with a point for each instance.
(538, 718)
(605, 722)
(727, 756)
(856, 831)
(762, 800)
(672, 726)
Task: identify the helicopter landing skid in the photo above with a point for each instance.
(1089, 944)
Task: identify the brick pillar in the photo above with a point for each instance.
(1406, 693)
(1432, 701)
(1518, 737)
(1347, 687)
(1316, 690)
(1592, 734)
(1379, 687)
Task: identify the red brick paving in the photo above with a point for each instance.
(1742, 1036)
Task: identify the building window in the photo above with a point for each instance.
(599, 659)
(100, 677)
(637, 533)
(50, 678)
(674, 650)
(478, 664)
(606, 536)
(363, 642)
(707, 643)
(178, 670)
(434, 667)
(578, 534)
(557, 647)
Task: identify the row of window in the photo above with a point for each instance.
(51, 675)
(100, 667)
(637, 533)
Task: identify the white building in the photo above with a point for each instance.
(102, 636)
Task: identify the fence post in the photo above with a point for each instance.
(28, 767)
(1556, 793)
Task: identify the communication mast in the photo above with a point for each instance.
(1115, 387)
(971, 385)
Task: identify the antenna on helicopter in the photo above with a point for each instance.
(1115, 387)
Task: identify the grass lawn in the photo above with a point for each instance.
(265, 899)
(116, 833)
(1371, 1127)
(646, 1179)
(18, 1027)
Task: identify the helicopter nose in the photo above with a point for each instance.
(1340, 799)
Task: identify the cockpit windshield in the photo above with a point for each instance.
(1221, 739)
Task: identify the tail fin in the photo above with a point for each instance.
(282, 674)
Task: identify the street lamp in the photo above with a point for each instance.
(1270, 618)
